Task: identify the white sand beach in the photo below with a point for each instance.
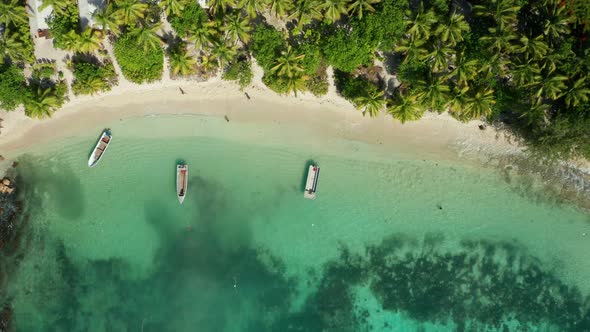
(331, 114)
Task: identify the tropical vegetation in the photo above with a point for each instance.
(522, 64)
(139, 63)
(92, 76)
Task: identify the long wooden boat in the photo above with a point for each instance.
(311, 184)
(181, 181)
(101, 146)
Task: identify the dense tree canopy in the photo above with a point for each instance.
(139, 64)
(521, 62)
(12, 87)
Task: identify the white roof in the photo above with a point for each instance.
(202, 3)
(87, 8)
(38, 19)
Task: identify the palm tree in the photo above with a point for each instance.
(12, 47)
(405, 108)
(534, 48)
(333, 9)
(434, 93)
(372, 102)
(578, 93)
(89, 41)
(12, 13)
(552, 87)
(209, 62)
(479, 104)
(237, 27)
(439, 57)
(453, 31)
(203, 35)
(106, 20)
(181, 62)
(504, 12)
(288, 64)
(129, 11)
(295, 83)
(358, 6)
(413, 48)
(557, 21)
(252, 7)
(305, 11)
(90, 86)
(174, 7)
(526, 74)
(59, 6)
(419, 27)
(223, 53)
(459, 102)
(537, 111)
(219, 6)
(465, 69)
(41, 103)
(280, 7)
(70, 41)
(147, 36)
(500, 40)
(496, 65)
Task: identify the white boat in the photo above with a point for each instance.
(312, 182)
(181, 181)
(101, 146)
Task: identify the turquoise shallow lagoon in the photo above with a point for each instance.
(395, 241)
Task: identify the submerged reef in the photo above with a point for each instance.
(482, 286)
(214, 276)
(11, 227)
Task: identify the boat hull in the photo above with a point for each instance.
(311, 183)
(181, 181)
(101, 146)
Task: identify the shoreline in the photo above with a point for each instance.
(132, 100)
(436, 135)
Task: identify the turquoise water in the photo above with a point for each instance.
(394, 241)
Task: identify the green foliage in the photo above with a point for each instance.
(317, 85)
(349, 46)
(344, 50)
(387, 23)
(267, 44)
(42, 101)
(312, 59)
(192, 17)
(566, 136)
(581, 11)
(12, 87)
(137, 63)
(61, 24)
(353, 87)
(240, 71)
(15, 43)
(275, 83)
(411, 73)
(181, 62)
(43, 71)
(91, 77)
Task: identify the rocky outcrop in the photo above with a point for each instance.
(6, 186)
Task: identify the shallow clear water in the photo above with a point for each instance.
(394, 241)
